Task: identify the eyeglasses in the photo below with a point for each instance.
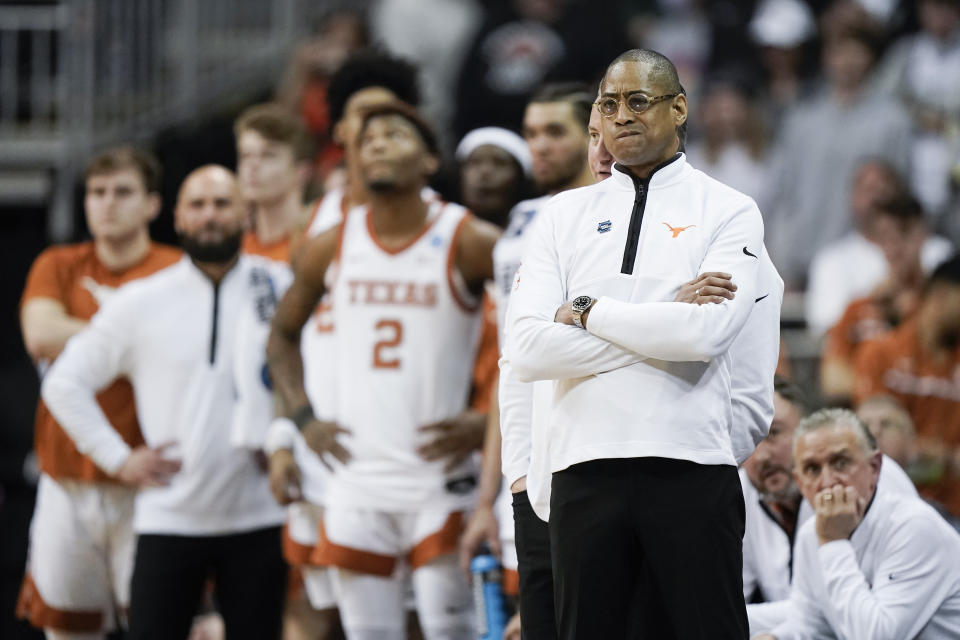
(636, 102)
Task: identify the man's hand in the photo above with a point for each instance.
(520, 484)
(284, 477)
(839, 510)
(481, 528)
(564, 315)
(512, 632)
(147, 467)
(321, 436)
(710, 287)
(455, 438)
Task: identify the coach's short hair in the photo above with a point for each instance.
(276, 124)
(577, 94)
(833, 417)
(119, 158)
(663, 69)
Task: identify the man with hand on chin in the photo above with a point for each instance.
(871, 564)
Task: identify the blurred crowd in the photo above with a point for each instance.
(841, 119)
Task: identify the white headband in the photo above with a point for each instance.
(498, 137)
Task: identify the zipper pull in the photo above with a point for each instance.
(640, 189)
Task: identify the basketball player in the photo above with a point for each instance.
(408, 279)
(365, 80)
(273, 167)
(81, 539)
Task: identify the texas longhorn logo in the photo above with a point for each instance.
(678, 230)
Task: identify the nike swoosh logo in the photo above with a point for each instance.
(761, 298)
(748, 253)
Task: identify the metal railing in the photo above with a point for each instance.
(81, 74)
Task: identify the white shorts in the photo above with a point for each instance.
(81, 556)
(299, 543)
(375, 542)
(378, 556)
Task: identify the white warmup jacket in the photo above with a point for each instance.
(632, 246)
(172, 334)
(897, 577)
(768, 550)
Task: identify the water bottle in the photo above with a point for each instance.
(488, 598)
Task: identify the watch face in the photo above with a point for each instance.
(582, 302)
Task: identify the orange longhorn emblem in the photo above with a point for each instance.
(677, 230)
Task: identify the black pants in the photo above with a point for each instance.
(536, 571)
(648, 548)
(170, 572)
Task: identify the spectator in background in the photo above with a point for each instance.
(896, 438)
(273, 168)
(494, 170)
(681, 30)
(732, 147)
(782, 31)
(303, 88)
(893, 428)
(900, 231)
(919, 365)
(526, 43)
(434, 34)
(923, 70)
(819, 148)
(851, 267)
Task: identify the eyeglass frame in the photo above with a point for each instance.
(650, 102)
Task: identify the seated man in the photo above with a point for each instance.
(872, 563)
(900, 229)
(775, 509)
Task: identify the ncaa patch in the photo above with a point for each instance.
(604, 226)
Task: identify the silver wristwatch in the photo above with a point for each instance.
(579, 305)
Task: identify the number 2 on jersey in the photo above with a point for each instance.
(395, 330)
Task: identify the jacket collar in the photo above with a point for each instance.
(663, 174)
(194, 272)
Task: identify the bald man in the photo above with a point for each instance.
(204, 508)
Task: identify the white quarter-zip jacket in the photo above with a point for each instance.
(525, 407)
(172, 335)
(897, 577)
(632, 244)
